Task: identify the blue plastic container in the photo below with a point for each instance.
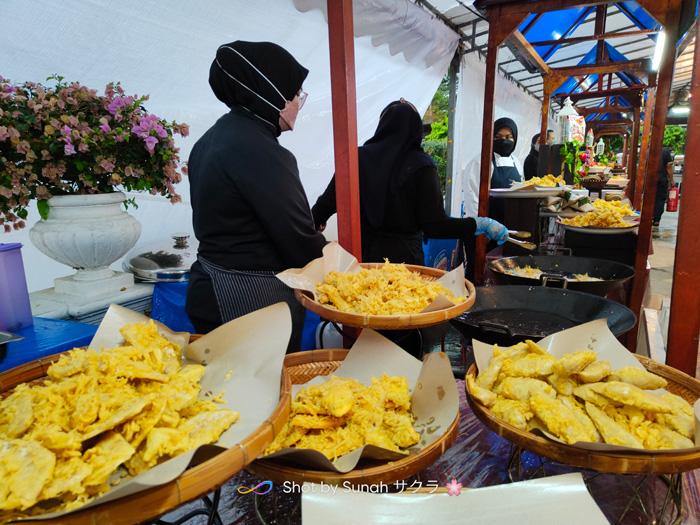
(15, 311)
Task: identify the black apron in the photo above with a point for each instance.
(501, 178)
(238, 293)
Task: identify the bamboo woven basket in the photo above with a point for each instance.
(304, 366)
(391, 322)
(191, 485)
(643, 462)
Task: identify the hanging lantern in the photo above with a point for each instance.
(600, 147)
(562, 128)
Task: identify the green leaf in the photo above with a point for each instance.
(44, 208)
(80, 165)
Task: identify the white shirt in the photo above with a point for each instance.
(508, 161)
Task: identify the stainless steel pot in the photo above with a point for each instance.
(163, 261)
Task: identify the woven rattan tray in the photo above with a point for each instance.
(192, 484)
(391, 322)
(643, 462)
(304, 366)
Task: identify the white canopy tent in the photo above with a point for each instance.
(165, 49)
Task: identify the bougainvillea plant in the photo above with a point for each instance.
(69, 140)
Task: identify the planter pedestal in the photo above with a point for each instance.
(88, 233)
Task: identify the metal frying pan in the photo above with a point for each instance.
(557, 268)
(506, 315)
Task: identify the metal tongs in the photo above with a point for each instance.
(525, 244)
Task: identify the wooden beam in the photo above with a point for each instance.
(644, 149)
(604, 109)
(496, 31)
(600, 12)
(343, 99)
(641, 66)
(665, 79)
(604, 36)
(522, 45)
(684, 321)
(624, 150)
(634, 90)
(540, 6)
(632, 165)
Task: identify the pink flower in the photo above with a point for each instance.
(104, 128)
(23, 147)
(69, 149)
(150, 142)
(107, 166)
(4, 135)
(82, 147)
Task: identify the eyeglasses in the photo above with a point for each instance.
(302, 98)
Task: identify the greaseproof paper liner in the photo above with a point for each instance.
(434, 401)
(336, 259)
(554, 499)
(247, 347)
(595, 336)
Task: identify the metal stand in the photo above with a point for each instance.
(211, 510)
(517, 471)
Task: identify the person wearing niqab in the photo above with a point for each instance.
(400, 194)
(249, 210)
(506, 166)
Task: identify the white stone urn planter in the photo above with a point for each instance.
(88, 233)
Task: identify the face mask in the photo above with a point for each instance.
(289, 115)
(537, 147)
(503, 147)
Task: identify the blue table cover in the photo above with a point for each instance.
(168, 307)
(46, 337)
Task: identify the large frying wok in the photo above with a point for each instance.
(506, 315)
(557, 268)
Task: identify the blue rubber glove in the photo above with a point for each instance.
(495, 231)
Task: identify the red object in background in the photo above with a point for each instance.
(672, 202)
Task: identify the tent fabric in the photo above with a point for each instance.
(164, 48)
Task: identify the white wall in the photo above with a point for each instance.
(164, 48)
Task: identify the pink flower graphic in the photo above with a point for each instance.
(453, 488)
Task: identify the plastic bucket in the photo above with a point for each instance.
(15, 311)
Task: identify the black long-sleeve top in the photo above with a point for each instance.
(249, 208)
(414, 210)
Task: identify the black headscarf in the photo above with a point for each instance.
(388, 158)
(271, 60)
(534, 140)
(505, 122)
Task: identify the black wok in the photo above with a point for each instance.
(557, 268)
(506, 315)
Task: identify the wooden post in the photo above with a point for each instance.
(663, 90)
(487, 139)
(501, 25)
(644, 149)
(633, 157)
(684, 322)
(624, 151)
(342, 58)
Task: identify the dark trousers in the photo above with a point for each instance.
(661, 196)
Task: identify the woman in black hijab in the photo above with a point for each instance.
(249, 210)
(532, 159)
(400, 193)
(506, 167)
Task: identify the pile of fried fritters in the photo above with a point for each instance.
(62, 442)
(579, 398)
(341, 415)
(391, 289)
